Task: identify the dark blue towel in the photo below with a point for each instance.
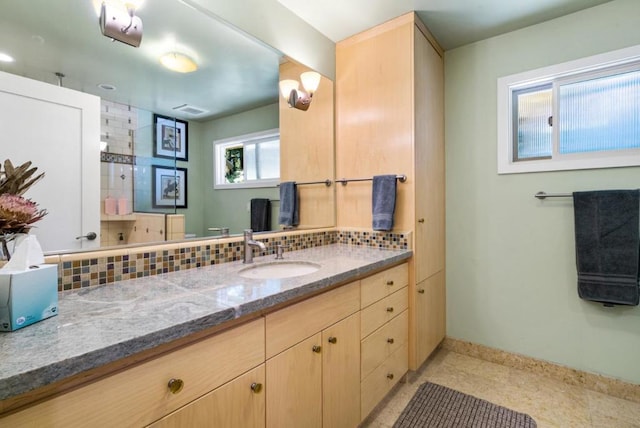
(260, 214)
(289, 210)
(383, 201)
(607, 230)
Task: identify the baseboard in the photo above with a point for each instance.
(591, 381)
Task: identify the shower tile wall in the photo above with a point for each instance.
(118, 124)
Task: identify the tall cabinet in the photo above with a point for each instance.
(390, 120)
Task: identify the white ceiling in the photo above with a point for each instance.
(235, 72)
(453, 22)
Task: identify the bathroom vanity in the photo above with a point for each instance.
(209, 347)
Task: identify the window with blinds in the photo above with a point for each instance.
(578, 115)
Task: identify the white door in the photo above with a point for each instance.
(58, 129)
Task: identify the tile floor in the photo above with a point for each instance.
(552, 403)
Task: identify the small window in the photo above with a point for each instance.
(577, 115)
(251, 160)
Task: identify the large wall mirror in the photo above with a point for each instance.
(159, 128)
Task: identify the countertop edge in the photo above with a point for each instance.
(58, 371)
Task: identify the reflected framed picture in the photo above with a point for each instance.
(171, 138)
(169, 187)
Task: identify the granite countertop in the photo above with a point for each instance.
(101, 324)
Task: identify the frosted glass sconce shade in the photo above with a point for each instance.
(310, 81)
(288, 85)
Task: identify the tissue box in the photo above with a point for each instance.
(28, 296)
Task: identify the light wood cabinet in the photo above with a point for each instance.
(384, 336)
(294, 380)
(390, 117)
(340, 374)
(299, 366)
(239, 403)
(315, 382)
(431, 318)
(140, 395)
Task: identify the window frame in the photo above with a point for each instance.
(219, 179)
(567, 72)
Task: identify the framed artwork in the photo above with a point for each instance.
(171, 138)
(169, 187)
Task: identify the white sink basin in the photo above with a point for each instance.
(276, 270)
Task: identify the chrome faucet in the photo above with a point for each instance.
(249, 243)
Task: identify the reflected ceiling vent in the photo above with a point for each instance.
(186, 108)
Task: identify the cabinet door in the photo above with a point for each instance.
(294, 386)
(341, 373)
(239, 403)
(429, 159)
(430, 315)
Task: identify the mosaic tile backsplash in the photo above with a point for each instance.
(117, 265)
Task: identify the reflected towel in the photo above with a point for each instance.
(289, 210)
(607, 231)
(260, 214)
(383, 201)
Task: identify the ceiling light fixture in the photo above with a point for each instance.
(120, 24)
(179, 62)
(297, 98)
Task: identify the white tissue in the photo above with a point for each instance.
(28, 252)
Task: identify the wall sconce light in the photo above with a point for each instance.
(297, 98)
(118, 24)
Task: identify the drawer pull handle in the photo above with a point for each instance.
(421, 220)
(175, 385)
(421, 291)
(390, 376)
(317, 349)
(390, 340)
(390, 309)
(333, 339)
(256, 387)
(390, 282)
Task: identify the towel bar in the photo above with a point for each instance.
(544, 195)
(402, 178)
(326, 182)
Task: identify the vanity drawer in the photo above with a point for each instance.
(291, 325)
(140, 395)
(374, 316)
(375, 386)
(382, 284)
(380, 344)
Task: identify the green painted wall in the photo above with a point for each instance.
(228, 207)
(511, 277)
(196, 172)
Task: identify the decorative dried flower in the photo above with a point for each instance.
(17, 180)
(17, 213)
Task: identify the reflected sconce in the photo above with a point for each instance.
(120, 24)
(295, 97)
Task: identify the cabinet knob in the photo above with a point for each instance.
(390, 282)
(390, 376)
(390, 340)
(333, 339)
(421, 220)
(175, 385)
(421, 291)
(317, 349)
(256, 387)
(390, 309)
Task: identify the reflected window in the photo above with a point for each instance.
(251, 160)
